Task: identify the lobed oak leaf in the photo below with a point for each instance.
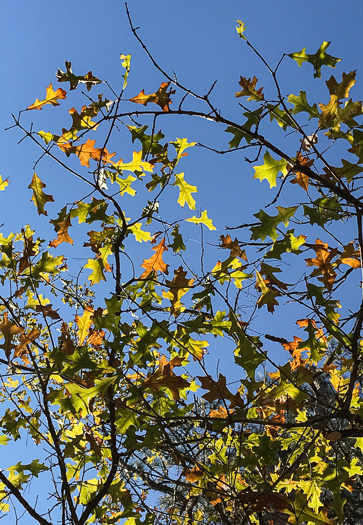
(155, 263)
(9, 330)
(84, 324)
(186, 190)
(219, 390)
(136, 165)
(233, 246)
(319, 59)
(47, 311)
(52, 97)
(220, 412)
(301, 179)
(249, 89)
(341, 90)
(164, 377)
(323, 262)
(68, 76)
(67, 345)
(269, 169)
(161, 97)
(61, 228)
(203, 219)
(87, 151)
(96, 337)
(350, 256)
(178, 287)
(39, 197)
(29, 251)
(25, 339)
(295, 351)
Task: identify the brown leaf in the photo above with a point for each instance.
(178, 287)
(29, 251)
(9, 331)
(161, 97)
(52, 97)
(233, 246)
(67, 345)
(249, 89)
(21, 349)
(194, 474)
(155, 263)
(219, 390)
(87, 151)
(164, 377)
(47, 310)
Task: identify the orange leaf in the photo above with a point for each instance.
(301, 179)
(96, 338)
(156, 263)
(322, 261)
(87, 151)
(221, 412)
(52, 97)
(161, 97)
(295, 352)
(62, 232)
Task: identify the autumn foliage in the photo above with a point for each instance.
(108, 364)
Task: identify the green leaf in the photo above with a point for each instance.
(181, 145)
(319, 59)
(289, 244)
(126, 63)
(97, 266)
(301, 104)
(186, 190)
(47, 264)
(140, 235)
(325, 209)
(178, 243)
(39, 197)
(68, 76)
(203, 219)
(268, 224)
(150, 143)
(270, 169)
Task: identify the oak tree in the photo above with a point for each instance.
(109, 368)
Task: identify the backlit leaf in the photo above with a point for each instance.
(39, 197)
(52, 97)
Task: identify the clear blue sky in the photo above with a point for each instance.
(197, 40)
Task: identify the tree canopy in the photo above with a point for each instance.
(113, 325)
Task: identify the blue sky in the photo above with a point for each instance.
(197, 40)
